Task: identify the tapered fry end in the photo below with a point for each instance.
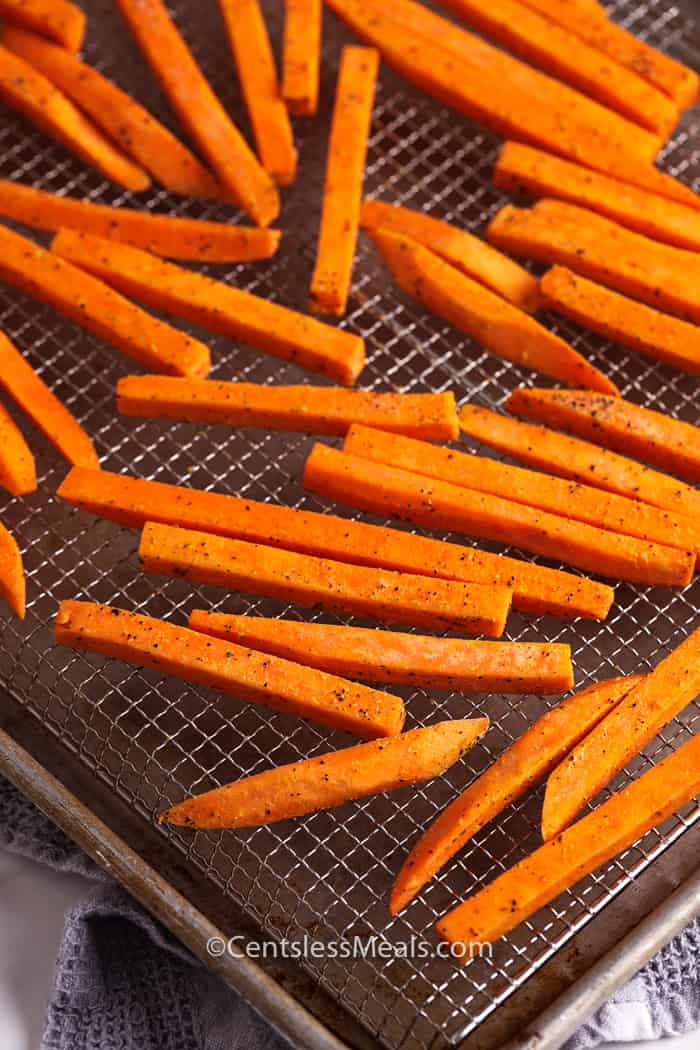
(554, 818)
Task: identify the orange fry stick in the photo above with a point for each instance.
(12, 582)
(17, 466)
(301, 56)
(199, 110)
(59, 20)
(345, 170)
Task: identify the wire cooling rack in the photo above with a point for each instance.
(155, 740)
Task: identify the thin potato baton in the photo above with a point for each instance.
(59, 20)
(17, 464)
(12, 582)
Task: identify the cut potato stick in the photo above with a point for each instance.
(218, 307)
(391, 597)
(616, 424)
(267, 112)
(578, 460)
(26, 90)
(659, 697)
(522, 169)
(134, 501)
(176, 238)
(230, 669)
(301, 55)
(401, 659)
(59, 20)
(484, 316)
(97, 308)
(123, 120)
(17, 465)
(649, 332)
(380, 489)
(12, 582)
(559, 52)
(301, 409)
(555, 232)
(596, 838)
(555, 495)
(37, 401)
(330, 779)
(513, 773)
(345, 170)
(199, 110)
(467, 253)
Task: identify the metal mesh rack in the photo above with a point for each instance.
(153, 740)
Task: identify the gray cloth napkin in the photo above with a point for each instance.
(123, 983)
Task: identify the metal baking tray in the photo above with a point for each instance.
(122, 743)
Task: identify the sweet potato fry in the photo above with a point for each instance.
(596, 838)
(175, 238)
(554, 232)
(134, 501)
(301, 409)
(330, 779)
(345, 171)
(26, 90)
(99, 309)
(513, 773)
(267, 112)
(123, 120)
(50, 415)
(438, 505)
(581, 461)
(17, 466)
(555, 495)
(616, 424)
(467, 253)
(659, 697)
(301, 56)
(230, 669)
(484, 316)
(59, 20)
(391, 597)
(648, 331)
(522, 169)
(402, 659)
(218, 307)
(12, 582)
(199, 110)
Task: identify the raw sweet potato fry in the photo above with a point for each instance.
(302, 409)
(596, 838)
(470, 254)
(301, 55)
(345, 171)
(401, 659)
(37, 401)
(555, 232)
(521, 168)
(617, 424)
(26, 90)
(17, 466)
(120, 117)
(484, 316)
(12, 582)
(648, 331)
(218, 307)
(513, 773)
(660, 696)
(199, 110)
(330, 779)
(555, 495)
(267, 112)
(391, 597)
(230, 669)
(569, 457)
(175, 238)
(59, 20)
(99, 309)
(380, 489)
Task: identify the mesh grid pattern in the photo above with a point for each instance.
(154, 740)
